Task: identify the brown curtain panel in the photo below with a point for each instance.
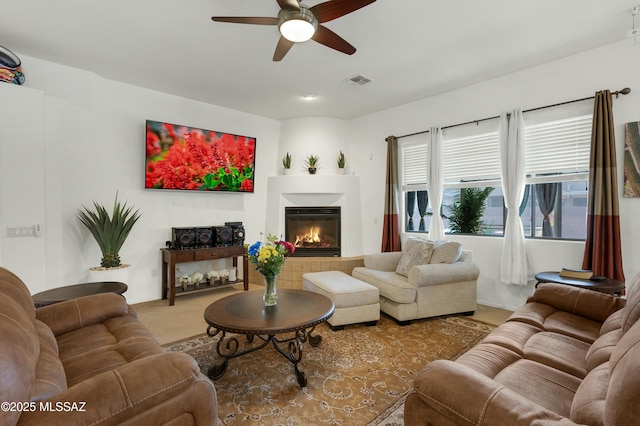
(603, 253)
(391, 225)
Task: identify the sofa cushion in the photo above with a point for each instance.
(589, 401)
(544, 385)
(390, 285)
(50, 376)
(488, 358)
(446, 252)
(416, 251)
(19, 351)
(91, 350)
(614, 322)
(558, 351)
(600, 351)
(631, 312)
(622, 406)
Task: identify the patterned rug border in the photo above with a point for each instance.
(393, 414)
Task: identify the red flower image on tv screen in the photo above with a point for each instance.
(188, 158)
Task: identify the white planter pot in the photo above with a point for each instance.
(119, 274)
(341, 171)
(286, 171)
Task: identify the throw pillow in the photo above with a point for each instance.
(416, 252)
(446, 252)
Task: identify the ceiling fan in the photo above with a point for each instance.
(298, 23)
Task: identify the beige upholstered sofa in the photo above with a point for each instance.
(89, 361)
(569, 356)
(427, 279)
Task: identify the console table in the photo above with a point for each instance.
(171, 257)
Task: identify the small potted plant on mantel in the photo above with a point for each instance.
(286, 164)
(110, 232)
(341, 163)
(312, 164)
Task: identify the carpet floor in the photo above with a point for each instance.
(356, 376)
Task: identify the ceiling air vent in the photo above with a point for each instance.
(358, 80)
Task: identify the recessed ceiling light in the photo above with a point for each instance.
(309, 96)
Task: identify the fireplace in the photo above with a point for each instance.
(314, 231)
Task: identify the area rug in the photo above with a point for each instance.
(357, 376)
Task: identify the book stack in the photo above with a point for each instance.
(582, 274)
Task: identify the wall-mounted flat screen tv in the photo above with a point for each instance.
(187, 158)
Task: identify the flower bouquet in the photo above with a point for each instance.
(212, 276)
(224, 275)
(269, 257)
(197, 279)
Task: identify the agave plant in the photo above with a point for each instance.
(341, 160)
(110, 232)
(312, 161)
(286, 161)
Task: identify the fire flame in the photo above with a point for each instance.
(312, 236)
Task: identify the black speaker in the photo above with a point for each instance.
(238, 232)
(183, 237)
(204, 237)
(223, 236)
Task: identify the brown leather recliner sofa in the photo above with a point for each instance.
(89, 361)
(568, 356)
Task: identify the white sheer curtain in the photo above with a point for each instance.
(435, 183)
(514, 267)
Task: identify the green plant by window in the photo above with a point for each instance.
(341, 160)
(286, 161)
(465, 214)
(110, 232)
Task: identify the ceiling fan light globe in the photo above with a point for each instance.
(297, 25)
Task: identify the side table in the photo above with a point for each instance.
(60, 294)
(603, 285)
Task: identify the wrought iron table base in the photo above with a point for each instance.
(230, 348)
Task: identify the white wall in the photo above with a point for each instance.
(611, 67)
(324, 137)
(69, 137)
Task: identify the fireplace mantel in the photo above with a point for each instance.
(317, 190)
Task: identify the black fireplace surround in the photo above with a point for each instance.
(314, 231)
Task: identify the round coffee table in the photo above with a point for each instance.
(603, 285)
(297, 312)
(60, 294)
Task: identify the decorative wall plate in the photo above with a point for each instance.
(8, 58)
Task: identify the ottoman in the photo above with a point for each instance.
(355, 301)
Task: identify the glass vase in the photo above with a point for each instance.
(270, 296)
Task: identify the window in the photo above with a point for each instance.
(558, 147)
(418, 211)
(413, 176)
(557, 164)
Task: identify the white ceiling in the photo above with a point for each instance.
(410, 49)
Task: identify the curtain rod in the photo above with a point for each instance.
(624, 91)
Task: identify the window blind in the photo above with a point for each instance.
(471, 158)
(414, 160)
(559, 147)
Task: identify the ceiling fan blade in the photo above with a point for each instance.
(330, 39)
(282, 48)
(288, 4)
(246, 20)
(330, 10)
